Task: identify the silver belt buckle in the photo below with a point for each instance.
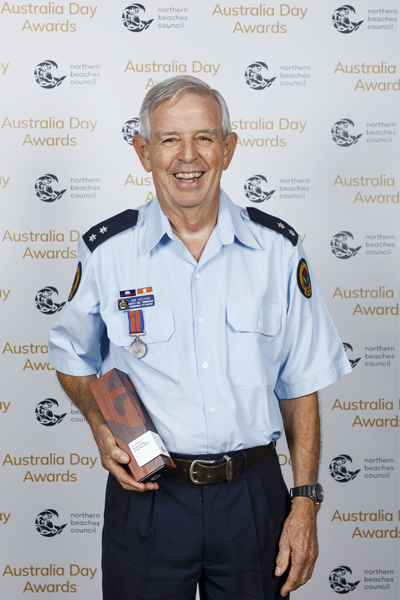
(192, 472)
(229, 467)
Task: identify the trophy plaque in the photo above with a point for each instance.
(131, 426)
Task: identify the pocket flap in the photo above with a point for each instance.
(254, 317)
(159, 326)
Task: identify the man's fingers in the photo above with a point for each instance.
(119, 455)
(298, 576)
(112, 459)
(282, 561)
(126, 480)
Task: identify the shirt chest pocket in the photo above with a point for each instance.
(158, 369)
(253, 345)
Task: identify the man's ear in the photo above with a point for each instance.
(142, 150)
(229, 149)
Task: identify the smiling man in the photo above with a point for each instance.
(238, 341)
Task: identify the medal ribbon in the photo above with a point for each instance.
(136, 322)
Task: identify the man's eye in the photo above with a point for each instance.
(169, 140)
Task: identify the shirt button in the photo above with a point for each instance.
(215, 452)
(201, 320)
(260, 323)
(213, 410)
(197, 275)
(205, 365)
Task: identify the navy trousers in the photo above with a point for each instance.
(159, 545)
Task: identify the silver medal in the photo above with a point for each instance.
(138, 348)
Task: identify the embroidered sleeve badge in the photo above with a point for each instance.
(303, 279)
(77, 280)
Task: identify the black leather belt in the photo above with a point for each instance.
(214, 471)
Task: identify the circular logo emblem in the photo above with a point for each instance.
(77, 280)
(122, 304)
(44, 301)
(43, 76)
(130, 129)
(132, 18)
(303, 279)
(341, 19)
(338, 582)
(44, 413)
(45, 526)
(341, 135)
(339, 245)
(255, 189)
(338, 469)
(256, 76)
(44, 188)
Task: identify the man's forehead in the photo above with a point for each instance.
(181, 110)
(187, 102)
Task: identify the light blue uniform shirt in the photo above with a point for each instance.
(226, 338)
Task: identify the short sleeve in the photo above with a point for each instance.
(312, 356)
(74, 339)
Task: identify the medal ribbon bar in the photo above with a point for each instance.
(136, 322)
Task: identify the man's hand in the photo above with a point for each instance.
(112, 457)
(299, 544)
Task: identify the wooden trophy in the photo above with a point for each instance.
(131, 426)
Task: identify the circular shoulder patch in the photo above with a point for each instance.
(303, 279)
(77, 280)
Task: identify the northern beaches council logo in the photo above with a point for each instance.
(340, 245)
(44, 413)
(338, 469)
(129, 129)
(44, 188)
(133, 18)
(44, 76)
(342, 19)
(338, 580)
(256, 76)
(44, 301)
(255, 189)
(341, 133)
(45, 526)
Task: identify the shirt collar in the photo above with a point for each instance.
(230, 224)
(157, 226)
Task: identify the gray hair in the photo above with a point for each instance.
(172, 88)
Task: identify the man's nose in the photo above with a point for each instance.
(188, 152)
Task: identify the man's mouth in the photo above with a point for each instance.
(189, 177)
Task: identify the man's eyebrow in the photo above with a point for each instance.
(163, 134)
(213, 131)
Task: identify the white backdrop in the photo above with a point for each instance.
(317, 117)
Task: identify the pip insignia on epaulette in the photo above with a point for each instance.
(107, 229)
(274, 223)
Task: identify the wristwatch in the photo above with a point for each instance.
(315, 492)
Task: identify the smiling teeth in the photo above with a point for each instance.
(188, 175)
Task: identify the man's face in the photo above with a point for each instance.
(186, 152)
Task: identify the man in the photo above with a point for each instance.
(238, 339)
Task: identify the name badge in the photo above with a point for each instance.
(135, 302)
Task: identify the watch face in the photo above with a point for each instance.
(319, 492)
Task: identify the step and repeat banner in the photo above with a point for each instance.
(313, 92)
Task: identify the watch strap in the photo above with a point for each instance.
(303, 490)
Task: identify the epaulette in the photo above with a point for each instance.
(274, 223)
(107, 229)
